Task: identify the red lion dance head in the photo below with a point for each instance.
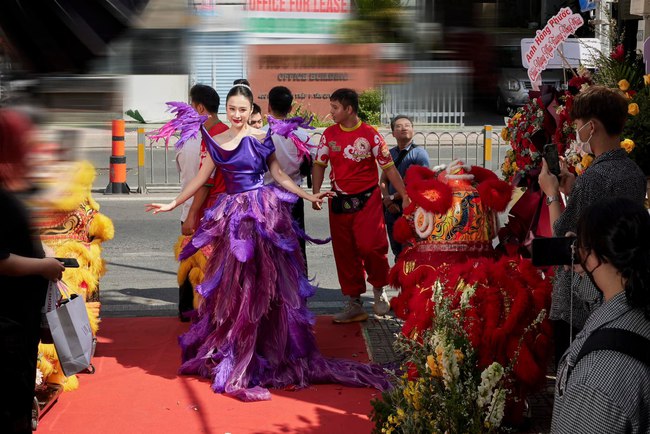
(448, 231)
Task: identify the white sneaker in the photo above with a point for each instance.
(381, 306)
(352, 312)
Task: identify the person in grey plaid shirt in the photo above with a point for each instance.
(607, 390)
(600, 114)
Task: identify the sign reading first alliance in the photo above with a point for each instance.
(296, 18)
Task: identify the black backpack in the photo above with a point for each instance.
(612, 339)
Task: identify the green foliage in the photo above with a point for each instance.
(370, 106)
(367, 8)
(630, 67)
(610, 71)
(135, 115)
(637, 128)
(317, 122)
(375, 21)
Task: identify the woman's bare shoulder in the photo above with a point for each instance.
(222, 137)
(258, 134)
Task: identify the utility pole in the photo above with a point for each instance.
(601, 19)
(642, 8)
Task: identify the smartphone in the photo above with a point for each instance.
(552, 159)
(554, 251)
(68, 262)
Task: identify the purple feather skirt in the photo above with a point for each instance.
(254, 330)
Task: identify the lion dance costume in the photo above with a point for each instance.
(448, 231)
(70, 224)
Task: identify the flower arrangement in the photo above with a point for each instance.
(443, 387)
(617, 70)
(637, 128)
(623, 72)
(523, 160)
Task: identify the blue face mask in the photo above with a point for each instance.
(585, 146)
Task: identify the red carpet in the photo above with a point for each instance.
(136, 389)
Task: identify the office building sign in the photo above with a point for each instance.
(296, 18)
(311, 71)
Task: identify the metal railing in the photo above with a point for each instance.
(432, 93)
(484, 148)
(157, 169)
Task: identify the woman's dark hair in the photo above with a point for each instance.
(241, 81)
(617, 232)
(203, 94)
(602, 103)
(347, 98)
(243, 90)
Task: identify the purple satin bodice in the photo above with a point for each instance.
(243, 168)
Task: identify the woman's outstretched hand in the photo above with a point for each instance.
(160, 207)
(318, 198)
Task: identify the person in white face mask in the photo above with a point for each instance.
(599, 114)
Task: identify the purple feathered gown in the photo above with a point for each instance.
(254, 329)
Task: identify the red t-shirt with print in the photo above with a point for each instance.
(354, 154)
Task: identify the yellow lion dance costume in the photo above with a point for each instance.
(70, 224)
(190, 271)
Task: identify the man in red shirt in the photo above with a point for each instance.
(356, 214)
(205, 101)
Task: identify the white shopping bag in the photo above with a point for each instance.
(73, 338)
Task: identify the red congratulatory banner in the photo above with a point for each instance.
(308, 6)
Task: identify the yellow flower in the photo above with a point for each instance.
(628, 145)
(504, 134)
(433, 366)
(633, 109)
(646, 79)
(516, 116)
(586, 161)
(624, 85)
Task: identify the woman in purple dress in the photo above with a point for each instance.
(254, 329)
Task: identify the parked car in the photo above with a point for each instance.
(513, 84)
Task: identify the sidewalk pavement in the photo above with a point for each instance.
(380, 334)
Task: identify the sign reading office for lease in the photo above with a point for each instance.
(547, 40)
(311, 6)
(296, 18)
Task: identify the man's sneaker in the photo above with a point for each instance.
(381, 306)
(352, 312)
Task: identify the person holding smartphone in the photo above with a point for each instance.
(599, 114)
(24, 274)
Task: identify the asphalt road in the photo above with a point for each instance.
(141, 269)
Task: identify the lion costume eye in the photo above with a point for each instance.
(423, 221)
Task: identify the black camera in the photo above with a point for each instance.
(555, 251)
